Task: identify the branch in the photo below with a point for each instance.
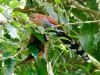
(5, 58)
(82, 22)
(76, 23)
(86, 9)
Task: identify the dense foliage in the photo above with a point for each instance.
(78, 18)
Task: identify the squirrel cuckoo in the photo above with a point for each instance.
(47, 22)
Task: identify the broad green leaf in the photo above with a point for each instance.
(33, 49)
(86, 39)
(14, 3)
(79, 14)
(9, 66)
(12, 31)
(50, 10)
(38, 35)
(86, 42)
(42, 69)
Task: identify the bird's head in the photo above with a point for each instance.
(37, 18)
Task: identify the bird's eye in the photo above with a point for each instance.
(33, 17)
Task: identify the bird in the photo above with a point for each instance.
(48, 22)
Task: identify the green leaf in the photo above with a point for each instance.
(96, 38)
(39, 2)
(86, 39)
(6, 54)
(12, 31)
(57, 2)
(16, 24)
(28, 2)
(84, 69)
(22, 15)
(92, 4)
(9, 66)
(5, 12)
(79, 14)
(50, 55)
(33, 49)
(14, 3)
(4, 1)
(96, 73)
(38, 35)
(1, 32)
(42, 69)
(41, 29)
(1, 9)
(94, 28)
(50, 10)
(29, 72)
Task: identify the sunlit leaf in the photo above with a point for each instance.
(57, 1)
(1, 9)
(21, 16)
(14, 3)
(12, 31)
(5, 2)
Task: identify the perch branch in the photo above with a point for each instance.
(86, 9)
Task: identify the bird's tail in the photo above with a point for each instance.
(73, 45)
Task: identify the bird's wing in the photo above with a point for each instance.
(51, 20)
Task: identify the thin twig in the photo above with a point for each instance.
(5, 58)
(77, 23)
